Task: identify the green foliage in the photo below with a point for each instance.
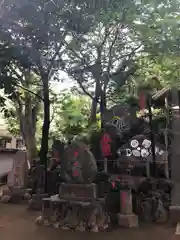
(110, 48)
(70, 115)
(12, 122)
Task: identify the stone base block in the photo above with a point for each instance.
(78, 191)
(128, 221)
(36, 202)
(6, 191)
(174, 214)
(5, 199)
(17, 195)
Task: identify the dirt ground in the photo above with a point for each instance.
(17, 223)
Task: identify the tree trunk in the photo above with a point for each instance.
(102, 106)
(28, 132)
(93, 111)
(93, 118)
(31, 147)
(45, 129)
(46, 124)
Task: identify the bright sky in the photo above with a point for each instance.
(67, 83)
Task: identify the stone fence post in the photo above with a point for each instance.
(126, 217)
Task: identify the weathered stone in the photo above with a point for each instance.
(5, 199)
(79, 163)
(27, 196)
(78, 191)
(56, 225)
(94, 229)
(35, 203)
(19, 174)
(80, 228)
(40, 221)
(177, 229)
(163, 218)
(126, 202)
(174, 214)
(47, 222)
(65, 228)
(17, 195)
(127, 221)
(6, 191)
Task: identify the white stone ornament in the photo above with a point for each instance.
(161, 152)
(128, 152)
(157, 150)
(136, 153)
(144, 153)
(146, 143)
(134, 143)
(119, 152)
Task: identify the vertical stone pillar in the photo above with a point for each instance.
(175, 159)
(126, 217)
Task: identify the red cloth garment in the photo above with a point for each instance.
(124, 199)
(76, 164)
(142, 100)
(113, 184)
(105, 145)
(76, 154)
(75, 173)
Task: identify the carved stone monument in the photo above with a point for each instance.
(18, 176)
(79, 163)
(17, 179)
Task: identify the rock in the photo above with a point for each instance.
(79, 163)
(56, 225)
(94, 229)
(81, 229)
(65, 228)
(47, 223)
(27, 196)
(177, 229)
(6, 191)
(5, 199)
(128, 221)
(40, 221)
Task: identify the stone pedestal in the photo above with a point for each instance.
(36, 202)
(128, 221)
(126, 217)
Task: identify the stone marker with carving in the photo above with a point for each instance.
(17, 179)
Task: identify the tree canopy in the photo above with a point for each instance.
(109, 49)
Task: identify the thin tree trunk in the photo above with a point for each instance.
(31, 147)
(102, 106)
(28, 133)
(45, 129)
(95, 101)
(93, 117)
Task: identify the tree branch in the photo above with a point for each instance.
(84, 89)
(20, 86)
(56, 54)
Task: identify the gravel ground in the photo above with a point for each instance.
(17, 223)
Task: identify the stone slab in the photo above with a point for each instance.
(127, 221)
(17, 177)
(36, 202)
(78, 191)
(174, 214)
